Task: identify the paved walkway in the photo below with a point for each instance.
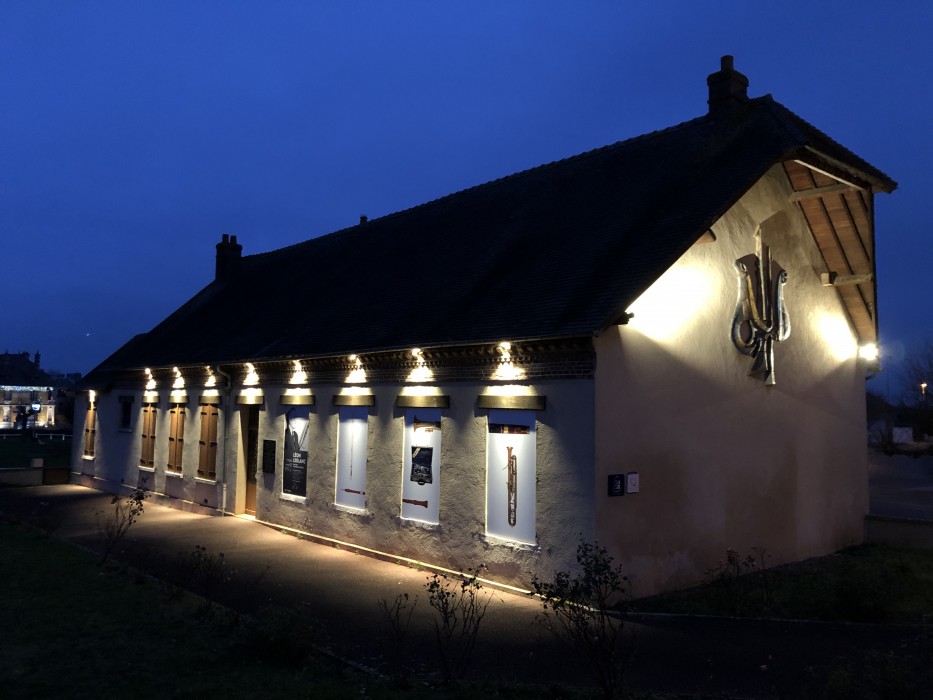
(342, 590)
(900, 486)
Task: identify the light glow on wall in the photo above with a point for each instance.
(150, 380)
(507, 371)
(674, 302)
(420, 391)
(421, 373)
(510, 390)
(838, 336)
(91, 396)
(211, 379)
(299, 376)
(357, 374)
(179, 382)
(252, 376)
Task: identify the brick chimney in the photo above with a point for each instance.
(727, 89)
(228, 257)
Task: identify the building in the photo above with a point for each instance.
(561, 353)
(27, 395)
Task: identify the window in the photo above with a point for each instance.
(147, 449)
(207, 445)
(126, 415)
(90, 429)
(352, 433)
(421, 465)
(511, 475)
(176, 438)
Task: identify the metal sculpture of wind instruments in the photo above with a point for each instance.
(760, 316)
(512, 470)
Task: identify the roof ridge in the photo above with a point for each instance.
(791, 122)
(490, 183)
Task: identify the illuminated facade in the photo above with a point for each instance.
(27, 399)
(636, 345)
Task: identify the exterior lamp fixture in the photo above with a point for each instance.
(178, 394)
(357, 373)
(869, 352)
(507, 371)
(210, 385)
(296, 394)
(420, 373)
(923, 392)
(250, 394)
(299, 376)
(150, 395)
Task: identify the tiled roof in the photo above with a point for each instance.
(556, 251)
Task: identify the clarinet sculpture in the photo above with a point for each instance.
(512, 469)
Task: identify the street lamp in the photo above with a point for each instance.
(923, 392)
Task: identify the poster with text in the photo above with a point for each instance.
(511, 475)
(352, 435)
(295, 462)
(421, 478)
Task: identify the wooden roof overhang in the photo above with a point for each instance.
(837, 204)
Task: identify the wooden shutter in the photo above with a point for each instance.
(176, 437)
(207, 452)
(90, 430)
(147, 450)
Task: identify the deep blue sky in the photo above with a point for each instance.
(133, 134)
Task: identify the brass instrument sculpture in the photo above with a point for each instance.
(760, 316)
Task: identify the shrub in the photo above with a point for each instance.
(579, 609)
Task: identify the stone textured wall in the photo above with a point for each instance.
(564, 491)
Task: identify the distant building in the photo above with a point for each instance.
(654, 344)
(27, 395)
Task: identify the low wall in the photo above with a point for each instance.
(21, 476)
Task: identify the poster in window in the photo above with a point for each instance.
(511, 475)
(352, 437)
(421, 465)
(295, 462)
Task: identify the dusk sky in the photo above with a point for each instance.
(133, 134)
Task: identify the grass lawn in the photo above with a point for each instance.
(868, 583)
(74, 629)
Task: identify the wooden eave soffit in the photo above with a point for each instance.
(837, 170)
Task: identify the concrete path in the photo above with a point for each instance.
(730, 658)
(900, 486)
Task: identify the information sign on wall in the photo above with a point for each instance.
(295, 462)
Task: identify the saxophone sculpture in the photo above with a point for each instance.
(512, 470)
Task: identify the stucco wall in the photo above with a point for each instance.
(117, 450)
(564, 489)
(725, 461)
